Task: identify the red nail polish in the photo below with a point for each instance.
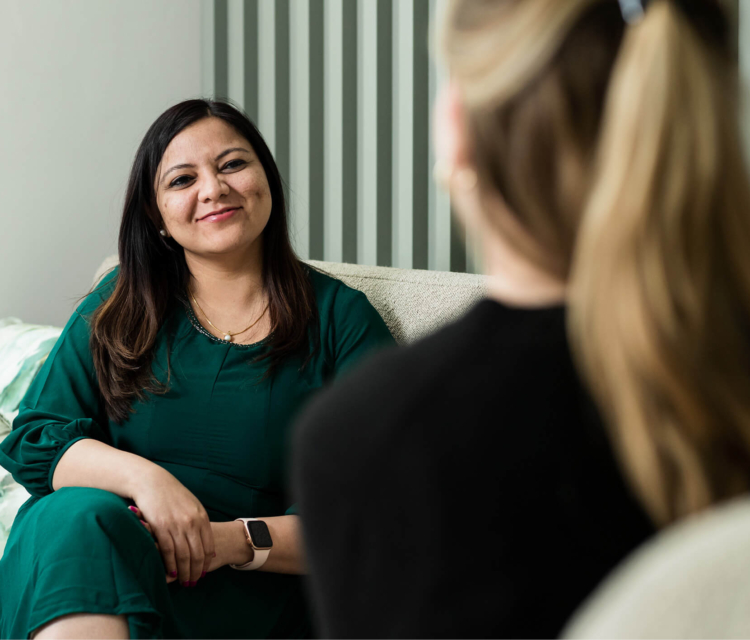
(193, 583)
(143, 522)
(133, 509)
(185, 584)
(173, 574)
(203, 574)
(214, 554)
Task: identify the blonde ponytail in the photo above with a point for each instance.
(660, 279)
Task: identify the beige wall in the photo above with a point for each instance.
(80, 82)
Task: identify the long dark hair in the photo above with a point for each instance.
(154, 275)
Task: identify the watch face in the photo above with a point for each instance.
(259, 534)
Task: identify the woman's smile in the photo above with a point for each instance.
(220, 215)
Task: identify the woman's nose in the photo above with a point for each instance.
(212, 187)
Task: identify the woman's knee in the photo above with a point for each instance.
(78, 507)
(83, 625)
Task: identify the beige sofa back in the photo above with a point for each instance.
(413, 302)
(692, 580)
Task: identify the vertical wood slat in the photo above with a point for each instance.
(250, 62)
(410, 131)
(340, 154)
(299, 127)
(281, 75)
(401, 133)
(208, 47)
(421, 133)
(236, 42)
(267, 73)
(385, 184)
(334, 115)
(317, 130)
(221, 54)
(367, 132)
(349, 65)
(373, 126)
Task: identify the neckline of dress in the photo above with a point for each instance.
(201, 329)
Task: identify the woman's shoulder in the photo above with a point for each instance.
(326, 286)
(100, 292)
(332, 293)
(346, 315)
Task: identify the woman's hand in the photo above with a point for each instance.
(229, 542)
(180, 525)
(150, 530)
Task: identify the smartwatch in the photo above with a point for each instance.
(259, 538)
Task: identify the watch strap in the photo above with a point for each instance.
(260, 555)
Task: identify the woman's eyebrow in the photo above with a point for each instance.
(192, 166)
(176, 167)
(223, 153)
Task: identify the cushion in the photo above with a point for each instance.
(23, 350)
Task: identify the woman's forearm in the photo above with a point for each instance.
(286, 554)
(90, 463)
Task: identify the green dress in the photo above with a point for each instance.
(218, 430)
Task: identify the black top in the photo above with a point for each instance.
(462, 486)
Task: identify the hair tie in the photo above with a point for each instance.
(706, 16)
(633, 10)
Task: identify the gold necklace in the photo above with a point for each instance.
(227, 335)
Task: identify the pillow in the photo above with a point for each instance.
(23, 350)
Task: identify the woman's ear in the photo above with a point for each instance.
(449, 129)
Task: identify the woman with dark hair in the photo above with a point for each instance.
(154, 440)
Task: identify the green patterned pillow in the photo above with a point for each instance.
(23, 350)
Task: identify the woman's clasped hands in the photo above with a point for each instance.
(180, 526)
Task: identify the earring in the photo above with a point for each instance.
(163, 233)
(447, 177)
(465, 179)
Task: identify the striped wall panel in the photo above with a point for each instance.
(341, 90)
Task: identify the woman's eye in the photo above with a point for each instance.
(235, 164)
(180, 181)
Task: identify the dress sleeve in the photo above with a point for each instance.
(61, 407)
(357, 329)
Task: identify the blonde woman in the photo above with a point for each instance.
(593, 146)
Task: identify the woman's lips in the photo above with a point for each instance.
(218, 217)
